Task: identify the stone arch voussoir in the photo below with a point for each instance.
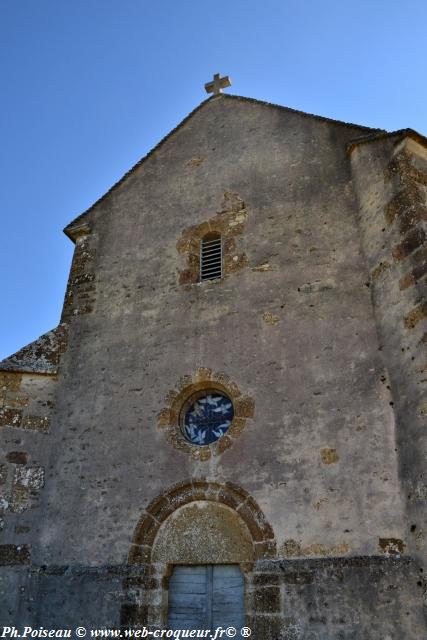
(183, 493)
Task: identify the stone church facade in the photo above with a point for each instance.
(311, 342)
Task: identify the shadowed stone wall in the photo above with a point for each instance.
(391, 182)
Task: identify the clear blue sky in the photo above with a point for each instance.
(89, 86)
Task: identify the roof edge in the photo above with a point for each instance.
(381, 135)
(299, 112)
(41, 356)
(71, 229)
(77, 222)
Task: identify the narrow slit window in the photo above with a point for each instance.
(210, 258)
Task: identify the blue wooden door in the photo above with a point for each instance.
(227, 597)
(206, 597)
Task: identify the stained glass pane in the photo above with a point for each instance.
(208, 418)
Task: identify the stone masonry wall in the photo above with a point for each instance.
(293, 329)
(314, 599)
(289, 333)
(26, 405)
(391, 182)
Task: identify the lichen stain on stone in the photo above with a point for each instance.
(420, 537)
(10, 417)
(422, 411)
(402, 168)
(419, 493)
(31, 477)
(203, 373)
(292, 548)
(36, 423)
(11, 554)
(81, 287)
(40, 356)
(233, 263)
(3, 473)
(380, 269)
(403, 199)
(20, 499)
(391, 546)
(27, 482)
(210, 314)
(413, 240)
(317, 286)
(244, 407)
(326, 550)
(329, 456)
(17, 457)
(194, 162)
(166, 417)
(16, 401)
(10, 381)
(260, 268)
(318, 504)
(416, 315)
(270, 318)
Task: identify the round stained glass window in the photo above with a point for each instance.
(207, 417)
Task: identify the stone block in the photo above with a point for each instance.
(10, 417)
(17, 457)
(36, 423)
(10, 381)
(12, 554)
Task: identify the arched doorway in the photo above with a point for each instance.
(200, 526)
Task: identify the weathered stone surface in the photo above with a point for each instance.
(380, 269)
(41, 356)
(329, 456)
(311, 335)
(11, 554)
(413, 241)
(416, 315)
(17, 457)
(81, 280)
(10, 381)
(402, 201)
(36, 423)
(266, 600)
(3, 473)
(391, 546)
(10, 417)
(400, 306)
(203, 533)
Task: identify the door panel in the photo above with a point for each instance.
(228, 597)
(188, 603)
(206, 597)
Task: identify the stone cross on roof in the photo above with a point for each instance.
(218, 84)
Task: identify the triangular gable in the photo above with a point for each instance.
(73, 229)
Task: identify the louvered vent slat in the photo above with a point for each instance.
(210, 259)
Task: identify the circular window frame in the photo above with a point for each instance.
(189, 403)
(169, 419)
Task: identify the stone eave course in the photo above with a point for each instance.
(69, 229)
